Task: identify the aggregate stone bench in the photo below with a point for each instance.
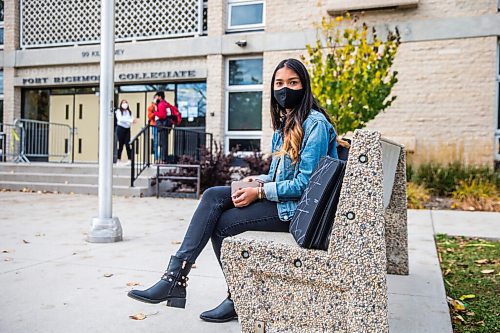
(278, 286)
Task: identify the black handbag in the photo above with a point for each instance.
(314, 217)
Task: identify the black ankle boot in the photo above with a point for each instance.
(222, 313)
(171, 287)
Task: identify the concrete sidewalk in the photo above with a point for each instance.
(54, 281)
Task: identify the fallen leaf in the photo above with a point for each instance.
(176, 242)
(459, 318)
(5, 251)
(25, 241)
(470, 313)
(108, 275)
(131, 284)
(8, 259)
(138, 316)
(193, 266)
(487, 271)
(448, 271)
(464, 297)
(481, 261)
(456, 304)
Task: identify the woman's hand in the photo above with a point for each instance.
(245, 196)
(343, 143)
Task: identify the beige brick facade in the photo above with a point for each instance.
(446, 106)
(215, 120)
(445, 99)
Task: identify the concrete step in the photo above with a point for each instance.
(59, 168)
(76, 188)
(90, 179)
(72, 178)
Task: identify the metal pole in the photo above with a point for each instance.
(106, 228)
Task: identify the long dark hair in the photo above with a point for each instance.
(127, 109)
(290, 124)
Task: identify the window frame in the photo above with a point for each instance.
(2, 26)
(243, 27)
(496, 146)
(251, 134)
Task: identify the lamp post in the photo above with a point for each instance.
(106, 228)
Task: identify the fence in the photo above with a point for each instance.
(166, 145)
(11, 143)
(46, 141)
(28, 140)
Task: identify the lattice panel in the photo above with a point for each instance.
(69, 22)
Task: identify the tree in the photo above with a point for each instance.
(351, 74)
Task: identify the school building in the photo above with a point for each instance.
(214, 59)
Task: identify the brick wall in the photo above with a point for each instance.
(445, 106)
(297, 15)
(215, 97)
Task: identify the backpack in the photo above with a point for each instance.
(175, 116)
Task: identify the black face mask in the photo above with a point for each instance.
(158, 101)
(288, 98)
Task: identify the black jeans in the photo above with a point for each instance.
(123, 135)
(216, 218)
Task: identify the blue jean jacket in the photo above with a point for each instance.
(285, 181)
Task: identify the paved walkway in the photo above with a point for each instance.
(54, 281)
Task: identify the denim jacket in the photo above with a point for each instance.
(285, 181)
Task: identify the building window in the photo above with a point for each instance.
(243, 104)
(497, 132)
(191, 101)
(1, 24)
(1, 83)
(245, 15)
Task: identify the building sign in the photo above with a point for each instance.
(119, 78)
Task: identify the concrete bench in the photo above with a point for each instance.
(278, 286)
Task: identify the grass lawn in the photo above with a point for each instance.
(471, 268)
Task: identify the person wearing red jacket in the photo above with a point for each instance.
(152, 122)
(161, 117)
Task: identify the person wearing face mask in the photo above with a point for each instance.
(303, 133)
(124, 121)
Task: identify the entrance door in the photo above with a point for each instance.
(86, 122)
(61, 112)
(80, 112)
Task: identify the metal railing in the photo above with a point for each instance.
(157, 144)
(46, 141)
(28, 140)
(141, 153)
(11, 136)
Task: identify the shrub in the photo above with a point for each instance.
(351, 73)
(258, 163)
(442, 180)
(218, 168)
(476, 194)
(417, 195)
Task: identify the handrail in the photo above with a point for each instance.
(140, 140)
(172, 143)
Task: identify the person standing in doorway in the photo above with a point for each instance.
(124, 121)
(161, 124)
(152, 122)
